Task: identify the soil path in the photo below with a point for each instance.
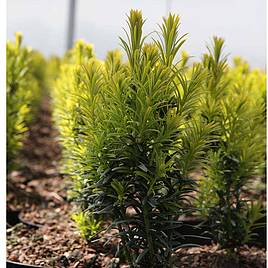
(37, 178)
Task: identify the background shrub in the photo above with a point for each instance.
(22, 94)
(237, 107)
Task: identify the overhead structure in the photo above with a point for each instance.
(71, 23)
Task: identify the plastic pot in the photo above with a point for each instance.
(12, 264)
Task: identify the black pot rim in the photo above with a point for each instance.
(28, 223)
(13, 264)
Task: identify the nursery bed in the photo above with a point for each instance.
(57, 243)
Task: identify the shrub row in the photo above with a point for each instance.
(134, 132)
(25, 80)
(235, 101)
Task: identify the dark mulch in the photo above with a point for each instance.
(42, 199)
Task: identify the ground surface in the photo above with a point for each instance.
(57, 243)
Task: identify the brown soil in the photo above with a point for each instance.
(212, 257)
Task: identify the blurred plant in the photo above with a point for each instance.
(252, 84)
(38, 66)
(80, 53)
(22, 93)
(52, 70)
(77, 81)
(184, 62)
(70, 85)
(248, 82)
(235, 158)
(87, 224)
